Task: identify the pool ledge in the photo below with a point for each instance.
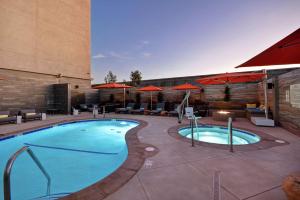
(266, 141)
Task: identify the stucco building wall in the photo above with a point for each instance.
(43, 43)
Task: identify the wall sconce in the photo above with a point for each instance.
(59, 75)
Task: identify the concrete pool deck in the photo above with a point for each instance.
(180, 172)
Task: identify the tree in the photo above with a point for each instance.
(110, 78)
(136, 77)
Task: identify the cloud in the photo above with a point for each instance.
(99, 56)
(145, 42)
(141, 44)
(122, 56)
(146, 54)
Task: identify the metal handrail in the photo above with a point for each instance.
(230, 136)
(8, 168)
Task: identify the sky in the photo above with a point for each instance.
(172, 38)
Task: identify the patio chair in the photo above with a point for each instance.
(174, 112)
(159, 108)
(6, 117)
(128, 108)
(141, 110)
(30, 114)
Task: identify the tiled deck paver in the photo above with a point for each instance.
(182, 172)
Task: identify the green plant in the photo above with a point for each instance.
(111, 98)
(160, 97)
(138, 98)
(227, 93)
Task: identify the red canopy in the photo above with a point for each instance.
(231, 78)
(286, 51)
(150, 88)
(186, 86)
(111, 85)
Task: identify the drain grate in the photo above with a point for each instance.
(216, 186)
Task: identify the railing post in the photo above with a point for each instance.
(230, 134)
(192, 128)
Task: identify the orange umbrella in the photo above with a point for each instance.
(286, 51)
(186, 87)
(231, 78)
(150, 89)
(114, 86)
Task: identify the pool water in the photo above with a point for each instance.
(219, 135)
(75, 155)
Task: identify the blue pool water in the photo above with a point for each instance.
(219, 135)
(75, 155)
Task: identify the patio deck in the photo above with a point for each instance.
(180, 172)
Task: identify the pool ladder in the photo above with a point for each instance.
(8, 168)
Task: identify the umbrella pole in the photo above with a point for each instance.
(151, 99)
(124, 97)
(266, 93)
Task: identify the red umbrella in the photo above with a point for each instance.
(114, 86)
(286, 51)
(150, 89)
(111, 85)
(231, 78)
(186, 87)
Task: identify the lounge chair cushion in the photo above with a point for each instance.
(3, 116)
(251, 105)
(30, 114)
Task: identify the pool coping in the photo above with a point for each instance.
(266, 141)
(135, 160)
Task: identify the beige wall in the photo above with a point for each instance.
(46, 36)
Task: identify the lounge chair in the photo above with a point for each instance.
(91, 107)
(159, 108)
(141, 110)
(83, 107)
(128, 108)
(30, 114)
(6, 117)
(174, 112)
(201, 109)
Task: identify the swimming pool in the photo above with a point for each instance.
(219, 135)
(75, 155)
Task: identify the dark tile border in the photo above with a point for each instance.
(110, 184)
(267, 141)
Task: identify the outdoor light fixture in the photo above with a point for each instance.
(223, 112)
